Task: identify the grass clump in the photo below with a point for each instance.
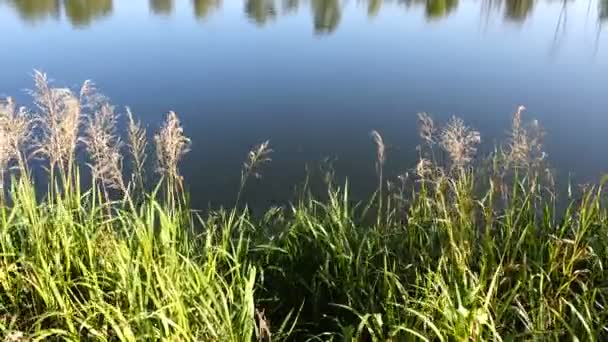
(462, 249)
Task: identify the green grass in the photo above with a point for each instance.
(440, 263)
(457, 252)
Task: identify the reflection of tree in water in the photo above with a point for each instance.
(78, 12)
(440, 8)
(202, 8)
(434, 9)
(83, 12)
(161, 7)
(35, 10)
(290, 6)
(373, 7)
(326, 15)
(518, 10)
(261, 11)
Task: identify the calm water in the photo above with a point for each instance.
(315, 76)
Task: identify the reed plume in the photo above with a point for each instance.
(518, 144)
(256, 157)
(525, 146)
(426, 128)
(103, 146)
(15, 131)
(90, 99)
(380, 156)
(59, 115)
(536, 134)
(424, 169)
(380, 147)
(137, 147)
(428, 134)
(459, 141)
(171, 146)
(380, 159)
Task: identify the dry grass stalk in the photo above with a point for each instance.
(15, 336)
(103, 146)
(258, 156)
(380, 148)
(90, 99)
(59, 114)
(137, 147)
(380, 159)
(518, 145)
(525, 145)
(424, 169)
(460, 142)
(171, 146)
(15, 131)
(426, 128)
(262, 330)
(536, 135)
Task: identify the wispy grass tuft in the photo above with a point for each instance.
(60, 117)
(138, 143)
(104, 148)
(256, 158)
(15, 132)
(525, 148)
(171, 146)
(460, 142)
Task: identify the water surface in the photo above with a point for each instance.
(316, 76)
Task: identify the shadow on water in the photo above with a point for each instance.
(326, 14)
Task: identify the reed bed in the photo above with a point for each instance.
(461, 248)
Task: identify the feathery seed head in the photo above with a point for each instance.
(258, 156)
(380, 147)
(59, 114)
(424, 168)
(171, 146)
(525, 145)
(104, 146)
(460, 142)
(137, 144)
(15, 128)
(426, 128)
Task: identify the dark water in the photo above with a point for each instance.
(315, 76)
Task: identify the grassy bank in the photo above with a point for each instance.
(461, 248)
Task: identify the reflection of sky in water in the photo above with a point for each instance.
(315, 76)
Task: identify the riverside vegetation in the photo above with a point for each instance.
(460, 249)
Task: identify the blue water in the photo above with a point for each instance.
(315, 77)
